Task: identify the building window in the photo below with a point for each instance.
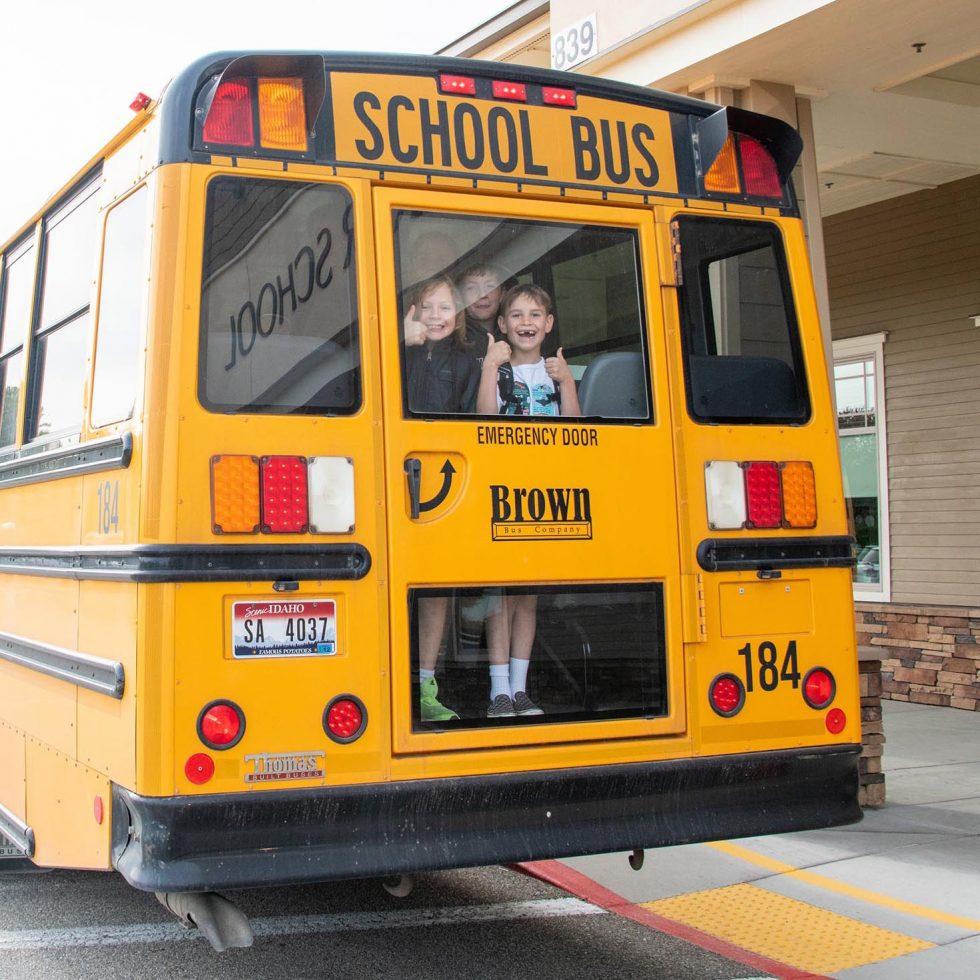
(859, 387)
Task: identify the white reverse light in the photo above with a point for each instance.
(331, 486)
(724, 488)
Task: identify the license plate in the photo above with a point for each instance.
(298, 628)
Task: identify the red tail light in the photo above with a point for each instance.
(457, 85)
(819, 688)
(285, 509)
(220, 725)
(758, 169)
(345, 718)
(229, 120)
(199, 768)
(726, 695)
(558, 96)
(763, 497)
(514, 91)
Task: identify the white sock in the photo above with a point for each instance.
(518, 675)
(424, 674)
(499, 680)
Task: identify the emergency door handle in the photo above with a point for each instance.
(413, 473)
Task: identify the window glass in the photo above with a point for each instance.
(122, 311)
(743, 361)
(11, 372)
(595, 653)
(854, 382)
(69, 257)
(561, 302)
(60, 361)
(278, 310)
(18, 299)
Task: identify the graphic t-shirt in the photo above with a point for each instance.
(533, 394)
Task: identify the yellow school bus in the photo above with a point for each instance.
(279, 604)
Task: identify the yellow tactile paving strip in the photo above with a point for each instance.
(784, 929)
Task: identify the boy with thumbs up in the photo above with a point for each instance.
(516, 379)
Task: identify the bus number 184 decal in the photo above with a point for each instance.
(765, 666)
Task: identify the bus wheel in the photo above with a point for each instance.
(636, 858)
(400, 887)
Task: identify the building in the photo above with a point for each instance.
(886, 95)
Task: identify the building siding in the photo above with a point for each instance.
(910, 267)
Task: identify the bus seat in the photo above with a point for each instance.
(614, 386)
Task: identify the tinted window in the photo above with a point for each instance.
(15, 304)
(278, 308)
(743, 361)
(122, 311)
(585, 277)
(60, 362)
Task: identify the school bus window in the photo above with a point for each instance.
(743, 361)
(121, 311)
(278, 310)
(516, 317)
(15, 318)
(568, 653)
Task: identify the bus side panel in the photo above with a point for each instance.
(13, 771)
(107, 726)
(62, 812)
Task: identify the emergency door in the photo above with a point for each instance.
(546, 532)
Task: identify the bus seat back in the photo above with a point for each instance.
(613, 386)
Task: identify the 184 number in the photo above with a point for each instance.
(108, 506)
(765, 666)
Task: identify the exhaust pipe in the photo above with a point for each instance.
(222, 923)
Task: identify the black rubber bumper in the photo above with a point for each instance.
(240, 840)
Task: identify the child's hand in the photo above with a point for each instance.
(498, 352)
(414, 330)
(557, 368)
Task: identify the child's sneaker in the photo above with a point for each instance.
(523, 705)
(501, 707)
(432, 710)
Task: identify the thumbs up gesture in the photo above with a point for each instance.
(557, 368)
(414, 330)
(498, 352)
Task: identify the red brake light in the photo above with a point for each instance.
(457, 85)
(199, 768)
(558, 96)
(229, 120)
(285, 508)
(758, 169)
(345, 718)
(726, 695)
(221, 725)
(763, 498)
(514, 91)
(819, 688)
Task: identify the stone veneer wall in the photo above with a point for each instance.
(929, 654)
(871, 782)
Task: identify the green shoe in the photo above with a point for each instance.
(432, 710)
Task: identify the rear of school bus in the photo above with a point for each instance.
(311, 530)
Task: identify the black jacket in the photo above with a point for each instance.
(441, 378)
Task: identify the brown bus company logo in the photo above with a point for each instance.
(540, 513)
(275, 767)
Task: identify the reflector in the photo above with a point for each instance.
(763, 501)
(229, 120)
(758, 169)
(722, 178)
(282, 114)
(799, 494)
(199, 768)
(836, 721)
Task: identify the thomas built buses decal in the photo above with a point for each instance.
(399, 122)
(540, 513)
(278, 767)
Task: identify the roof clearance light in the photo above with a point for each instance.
(799, 494)
(235, 495)
(763, 500)
(140, 103)
(229, 120)
(457, 85)
(759, 169)
(513, 91)
(722, 178)
(558, 96)
(284, 503)
(282, 114)
(724, 488)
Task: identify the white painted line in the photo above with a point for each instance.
(285, 925)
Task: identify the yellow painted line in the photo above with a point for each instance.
(842, 888)
(805, 936)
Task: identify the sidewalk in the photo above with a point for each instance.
(896, 896)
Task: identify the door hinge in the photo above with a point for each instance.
(675, 252)
(695, 613)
